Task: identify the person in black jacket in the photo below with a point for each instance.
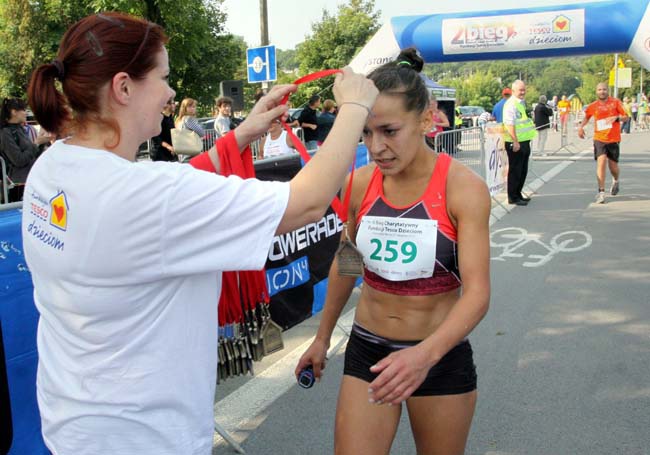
(542, 116)
(309, 122)
(161, 145)
(16, 149)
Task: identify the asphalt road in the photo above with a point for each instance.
(563, 355)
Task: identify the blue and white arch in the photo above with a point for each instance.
(553, 31)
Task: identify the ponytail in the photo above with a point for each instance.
(47, 102)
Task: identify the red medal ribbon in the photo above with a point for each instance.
(340, 209)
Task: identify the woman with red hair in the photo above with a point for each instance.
(125, 256)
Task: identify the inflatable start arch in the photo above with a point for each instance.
(552, 31)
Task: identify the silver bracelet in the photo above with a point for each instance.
(358, 104)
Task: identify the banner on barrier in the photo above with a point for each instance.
(496, 159)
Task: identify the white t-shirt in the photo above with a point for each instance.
(277, 147)
(125, 258)
(510, 111)
(222, 125)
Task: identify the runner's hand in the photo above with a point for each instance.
(351, 87)
(400, 374)
(316, 356)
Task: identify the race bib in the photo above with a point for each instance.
(603, 125)
(398, 249)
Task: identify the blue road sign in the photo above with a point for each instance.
(261, 64)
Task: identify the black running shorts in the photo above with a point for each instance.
(455, 373)
(610, 149)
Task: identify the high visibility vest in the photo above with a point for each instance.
(458, 121)
(524, 126)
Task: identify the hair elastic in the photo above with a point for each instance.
(60, 70)
(404, 62)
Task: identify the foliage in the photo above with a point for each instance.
(286, 59)
(551, 76)
(334, 42)
(201, 53)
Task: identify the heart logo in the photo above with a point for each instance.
(58, 211)
(561, 24)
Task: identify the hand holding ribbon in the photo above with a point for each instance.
(347, 89)
(269, 108)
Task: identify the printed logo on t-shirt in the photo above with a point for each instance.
(53, 211)
(59, 211)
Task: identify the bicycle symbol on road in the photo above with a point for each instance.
(513, 239)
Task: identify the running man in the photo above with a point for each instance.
(608, 114)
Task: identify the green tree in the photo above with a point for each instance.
(334, 42)
(286, 59)
(560, 78)
(201, 53)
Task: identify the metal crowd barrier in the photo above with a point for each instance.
(466, 145)
(5, 181)
(569, 133)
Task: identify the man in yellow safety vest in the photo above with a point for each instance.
(518, 132)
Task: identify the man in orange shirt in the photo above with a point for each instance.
(608, 114)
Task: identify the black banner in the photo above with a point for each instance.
(300, 259)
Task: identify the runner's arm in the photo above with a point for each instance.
(469, 205)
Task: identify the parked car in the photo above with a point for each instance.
(207, 123)
(469, 115)
(294, 113)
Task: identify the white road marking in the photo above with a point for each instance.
(242, 407)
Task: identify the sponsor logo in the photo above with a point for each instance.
(288, 277)
(517, 32)
(59, 211)
(481, 34)
(288, 244)
(561, 24)
(378, 61)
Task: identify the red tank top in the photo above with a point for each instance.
(431, 206)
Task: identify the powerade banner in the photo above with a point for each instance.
(299, 261)
(553, 31)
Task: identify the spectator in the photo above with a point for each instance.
(484, 118)
(439, 122)
(643, 112)
(627, 105)
(635, 110)
(542, 116)
(309, 122)
(16, 148)
(497, 110)
(187, 117)
(276, 143)
(519, 132)
(564, 109)
(127, 269)
(161, 145)
(325, 120)
(222, 123)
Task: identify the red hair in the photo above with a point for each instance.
(92, 51)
